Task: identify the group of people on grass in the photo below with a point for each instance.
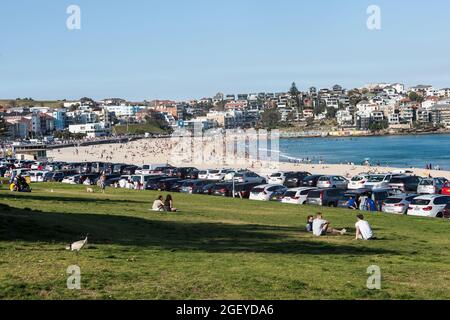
(318, 226)
(164, 205)
(321, 227)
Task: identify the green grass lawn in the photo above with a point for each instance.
(214, 249)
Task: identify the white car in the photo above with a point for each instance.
(431, 186)
(203, 174)
(428, 206)
(231, 173)
(296, 195)
(358, 182)
(217, 175)
(336, 182)
(277, 178)
(398, 204)
(248, 177)
(71, 179)
(266, 191)
(378, 181)
(39, 176)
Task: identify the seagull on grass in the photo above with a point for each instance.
(77, 246)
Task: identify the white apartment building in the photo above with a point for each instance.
(92, 130)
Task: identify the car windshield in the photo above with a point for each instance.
(214, 171)
(257, 190)
(376, 178)
(290, 194)
(426, 183)
(421, 202)
(324, 179)
(314, 194)
(392, 200)
(357, 178)
(275, 175)
(396, 180)
(202, 172)
(238, 175)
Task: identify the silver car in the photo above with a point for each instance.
(398, 204)
(431, 186)
(337, 182)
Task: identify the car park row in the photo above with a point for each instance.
(397, 193)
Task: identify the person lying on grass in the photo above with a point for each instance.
(363, 229)
(322, 227)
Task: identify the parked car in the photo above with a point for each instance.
(72, 179)
(129, 170)
(446, 212)
(361, 195)
(296, 195)
(192, 175)
(429, 206)
(207, 188)
(278, 178)
(266, 191)
(243, 190)
(39, 176)
(310, 181)
(405, 183)
(222, 189)
(56, 177)
(203, 174)
(217, 175)
(166, 184)
(248, 177)
(336, 182)
(378, 181)
(358, 182)
(294, 179)
(398, 204)
(325, 197)
(193, 186)
(148, 168)
(431, 186)
(446, 189)
(184, 172)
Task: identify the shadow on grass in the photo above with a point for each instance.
(37, 226)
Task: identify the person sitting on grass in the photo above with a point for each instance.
(321, 227)
(309, 224)
(351, 203)
(363, 229)
(168, 204)
(158, 204)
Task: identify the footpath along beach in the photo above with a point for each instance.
(159, 151)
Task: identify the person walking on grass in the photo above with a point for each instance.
(363, 229)
(322, 227)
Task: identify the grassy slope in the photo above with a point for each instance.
(138, 129)
(215, 248)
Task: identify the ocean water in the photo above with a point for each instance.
(396, 151)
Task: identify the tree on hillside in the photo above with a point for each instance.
(295, 100)
(413, 96)
(270, 118)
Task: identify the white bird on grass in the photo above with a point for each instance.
(77, 246)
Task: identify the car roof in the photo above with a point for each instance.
(431, 196)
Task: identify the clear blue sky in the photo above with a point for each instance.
(140, 49)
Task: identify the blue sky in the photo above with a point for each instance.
(142, 49)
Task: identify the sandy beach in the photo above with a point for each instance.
(207, 155)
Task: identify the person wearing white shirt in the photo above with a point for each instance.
(158, 204)
(363, 229)
(321, 227)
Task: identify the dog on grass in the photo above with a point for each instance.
(89, 190)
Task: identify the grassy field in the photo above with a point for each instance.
(214, 249)
(138, 129)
